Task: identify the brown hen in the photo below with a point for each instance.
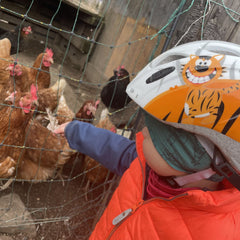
(40, 71)
(43, 151)
(14, 119)
(19, 79)
(87, 112)
(46, 153)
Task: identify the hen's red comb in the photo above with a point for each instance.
(120, 67)
(33, 92)
(49, 52)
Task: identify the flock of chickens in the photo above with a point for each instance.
(29, 150)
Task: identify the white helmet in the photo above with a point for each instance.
(196, 87)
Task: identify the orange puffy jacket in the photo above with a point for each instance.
(193, 215)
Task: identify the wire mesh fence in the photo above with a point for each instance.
(89, 40)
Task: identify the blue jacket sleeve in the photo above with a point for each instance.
(113, 151)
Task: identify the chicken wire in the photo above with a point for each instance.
(59, 207)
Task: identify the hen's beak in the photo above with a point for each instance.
(10, 98)
(8, 68)
(35, 103)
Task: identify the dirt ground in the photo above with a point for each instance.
(59, 209)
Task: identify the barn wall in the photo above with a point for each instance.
(129, 22)
(218, 25)
(125, 23)
(119, 30)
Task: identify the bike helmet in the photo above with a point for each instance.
(196, 87)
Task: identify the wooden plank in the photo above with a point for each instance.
(218, 21)
(130, 51)
(217, 24)
(90, 7)
(155, 12)
(185, 21)
(235, 36)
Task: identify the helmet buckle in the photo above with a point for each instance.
(222, 167)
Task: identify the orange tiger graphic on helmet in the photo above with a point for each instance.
(206, 99)
(203, 101)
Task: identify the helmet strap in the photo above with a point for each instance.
(222, 167)
(193, 177)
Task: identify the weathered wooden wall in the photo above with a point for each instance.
(136, 19)
(125, 23)
(218, 25)
(121, 35)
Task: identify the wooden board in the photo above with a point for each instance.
(132, 49)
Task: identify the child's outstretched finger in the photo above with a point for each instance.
(60, 129)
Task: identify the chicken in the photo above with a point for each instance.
(46, 153)
(48, 99)
(14, 119)
(40, 71)
(43, 152)
(87, 112)
(62, 114)
(114, 95)
(12, 35)
(19, 79)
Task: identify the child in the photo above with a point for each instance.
(168, 189)
(145, 205)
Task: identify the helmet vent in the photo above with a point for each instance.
(160, 74)
(170, 58)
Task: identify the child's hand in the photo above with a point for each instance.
(60, 129)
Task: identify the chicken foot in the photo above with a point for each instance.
(6, 185)
(7, 167)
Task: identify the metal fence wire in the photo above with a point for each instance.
(87, 40)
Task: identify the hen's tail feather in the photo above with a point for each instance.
(59, 86)
(65, 155)
(53, 122)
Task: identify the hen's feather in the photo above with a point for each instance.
(64, 113)
(49, 97)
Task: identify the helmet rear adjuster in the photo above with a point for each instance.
(223, 168)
